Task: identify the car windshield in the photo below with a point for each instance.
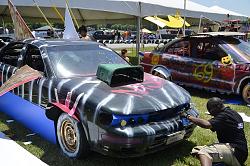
(237, 48)
(81, 60)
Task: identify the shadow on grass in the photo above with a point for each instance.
(165, 157)
(231, 99)
(51, 154)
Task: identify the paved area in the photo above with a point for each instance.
(13, 154)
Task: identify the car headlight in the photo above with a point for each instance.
(129, 120)
(105, 118)
(123, 123)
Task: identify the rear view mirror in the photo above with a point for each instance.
(227, 60)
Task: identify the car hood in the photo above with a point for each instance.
(153, 94)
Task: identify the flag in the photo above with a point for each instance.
(70, 30)
(22, 31)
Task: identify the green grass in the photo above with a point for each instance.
(132, 53)
(178, 155)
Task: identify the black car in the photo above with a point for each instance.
(6, 38)
(96, 100)
(101, 35)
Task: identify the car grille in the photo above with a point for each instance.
(167, 113)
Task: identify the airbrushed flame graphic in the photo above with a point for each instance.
(140, 89)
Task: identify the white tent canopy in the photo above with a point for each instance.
(92, 11)
(89, 12)
(219, 9)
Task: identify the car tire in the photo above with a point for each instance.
(246, 93)
(161, 76)
(71, 137)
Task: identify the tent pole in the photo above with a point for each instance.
(184, 24)
(138, 37)
(4, 30)
(200, 24)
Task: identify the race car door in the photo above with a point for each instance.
(208, 71)
(177, 59)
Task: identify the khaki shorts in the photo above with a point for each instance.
(217, 153)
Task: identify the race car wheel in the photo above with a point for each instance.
(246, 93)
(71, 137)
(161, 75)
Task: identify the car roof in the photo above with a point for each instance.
(214, 35)
(58, 42)
(223, 33)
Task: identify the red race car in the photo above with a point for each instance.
(214, 61)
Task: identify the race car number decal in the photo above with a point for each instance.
(155, 59)
(203, 72)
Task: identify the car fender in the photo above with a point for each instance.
(53, 111)
(240, 83)
(162, 70)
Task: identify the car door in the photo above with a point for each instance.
(9, 58)
(207, 69)
(177, 59)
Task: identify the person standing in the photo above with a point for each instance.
(124, 54)
(50, 33)
(232, 147)
(118, 35)
(84, 33)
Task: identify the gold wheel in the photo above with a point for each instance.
(246, 93)
(68, 136)
(71, 137)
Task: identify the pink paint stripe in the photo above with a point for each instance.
(72, 111)
(65, 109)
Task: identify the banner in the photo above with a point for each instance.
(70, 30)
(22, 31)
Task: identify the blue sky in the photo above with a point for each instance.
(239, 6)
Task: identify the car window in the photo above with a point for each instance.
(238, 49)
(181, 48)
(208, 49)
(81, 60)
(34, 59)
(10, 53)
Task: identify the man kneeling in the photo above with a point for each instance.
(228, 124)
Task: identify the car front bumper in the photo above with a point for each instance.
(143, 139)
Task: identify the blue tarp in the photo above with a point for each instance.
(31, 116)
